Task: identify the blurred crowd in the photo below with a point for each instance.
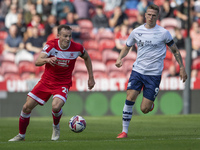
(102, 26)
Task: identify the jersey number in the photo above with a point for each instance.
(64, 90)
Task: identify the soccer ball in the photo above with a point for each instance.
(77, 124)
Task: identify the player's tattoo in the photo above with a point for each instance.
(177, 55)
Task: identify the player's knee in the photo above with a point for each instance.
(145, 110)
(26, 109)
(55, 107)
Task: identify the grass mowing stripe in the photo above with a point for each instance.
(179, 132)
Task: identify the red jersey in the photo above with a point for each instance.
(61, 73)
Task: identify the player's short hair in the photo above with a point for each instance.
(60, 27)
(154, 7)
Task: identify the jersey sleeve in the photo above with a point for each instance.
(47, 48)
(82, 51)
(130, 41)
(168, 38)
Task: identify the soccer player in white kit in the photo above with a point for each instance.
(151, 40)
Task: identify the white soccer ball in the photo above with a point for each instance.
(77, 124)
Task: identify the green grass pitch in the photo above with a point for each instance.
(158, 132)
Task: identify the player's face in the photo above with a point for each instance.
(65, 37)
(151, 17)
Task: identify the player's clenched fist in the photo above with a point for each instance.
(118, 63)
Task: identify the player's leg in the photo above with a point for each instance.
(56, 113)
(133, 90)
(25, 118)
(128, 111)
(150, 91)
(146, 105)
(59, 99)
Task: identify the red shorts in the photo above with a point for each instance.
(41, 93)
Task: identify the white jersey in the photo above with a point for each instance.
(151, 50)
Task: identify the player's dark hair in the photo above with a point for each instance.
(154, 7)
(60, 27)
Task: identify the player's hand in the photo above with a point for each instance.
(118, 63)
(52, 61)
(183, 74)
(91, 83)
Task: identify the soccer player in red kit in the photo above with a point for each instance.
(59, 56)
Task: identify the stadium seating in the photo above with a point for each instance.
(196, 63)
(109, 56)
(26, 66)
(98, 66)
(106, 44)
(9, 67)
(90, 44)
(95, 55)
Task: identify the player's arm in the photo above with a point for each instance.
(43, 59)
(178, 57)
(122, 54)
(88, 64)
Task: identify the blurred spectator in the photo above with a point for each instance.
(35, 43)
(109, 5)
(118, 17)
(63, 8)
(50, 24)
(178, 39)
(29, 11)
(120, 38)
(76, 31)
(195, 35)
(21, 26)
(131, 4)
(172, 71)
(99, 20)
(13, 42)
(194, 73)
(197, 9)
(54, 34)
(142, 6)
(43, 7)
(11, 17)
(4, 9)
(84, 9)
(166, 11)
(183, 15)
(140, 21)
(36, 22)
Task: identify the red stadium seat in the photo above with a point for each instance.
(80, 67)
(170, 22)
(111, 67)
(116, 74)
(26, 66)
(90, 44)
(81, 75)
(3, 35)
(8, 57)
(159, 2)
(196, 63)
(106, 44)
(11, 76)
(169, 54)
(109, 56)
(8, 67)
(98, 66)
(95, 55)
(167, 63)
(98, 74)
(105, 35)
(131, 12)
(127, 66)
(1, 46)
(85, 24)
(132, 55)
